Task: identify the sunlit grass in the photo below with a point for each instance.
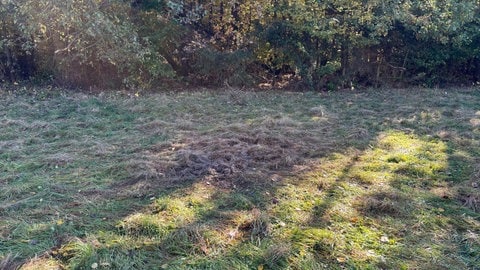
(362, 216)
(241, 180)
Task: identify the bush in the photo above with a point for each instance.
(211, 67)
(77, 44)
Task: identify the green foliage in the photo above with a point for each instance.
(78, 254)
(16, 48)
(326, 44)
(150, 5)
(216, 68)
(374, 42)
(80, 44)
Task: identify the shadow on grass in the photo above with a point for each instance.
(389, 209)
(326, 185)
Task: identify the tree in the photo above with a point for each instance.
(80, 43)
(326, 44)
(16, 48)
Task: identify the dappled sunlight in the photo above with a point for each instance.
(360, 208)
(167, 213)
(199, 220)
(243, 180)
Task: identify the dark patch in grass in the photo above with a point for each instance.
(234, 201)
(276, 256)
(460, 168)
(320, 241)
(396, 159)
(470, 198)
(384, 203)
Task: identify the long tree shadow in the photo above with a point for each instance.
(305, 189)
(239, 157)
(407, 184)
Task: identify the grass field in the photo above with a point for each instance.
(373, 179)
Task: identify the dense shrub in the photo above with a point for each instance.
(82, 43)
(328, 44)
(211, 67)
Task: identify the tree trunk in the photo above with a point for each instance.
(345, 61)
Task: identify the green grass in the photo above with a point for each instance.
(374, 179)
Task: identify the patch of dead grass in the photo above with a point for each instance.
(10, 262)
(384, 203)
(267, 169)
(233, 155)
(41, 263)
(59, 159)
(470, 197)
(468, 193)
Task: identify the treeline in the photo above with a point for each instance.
(309, 44)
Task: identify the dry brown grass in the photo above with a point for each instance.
(236, 155)
(238, 180)
(384, 203)
(469, 197)
(10, 262)
(469, 192)
(43, 263)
